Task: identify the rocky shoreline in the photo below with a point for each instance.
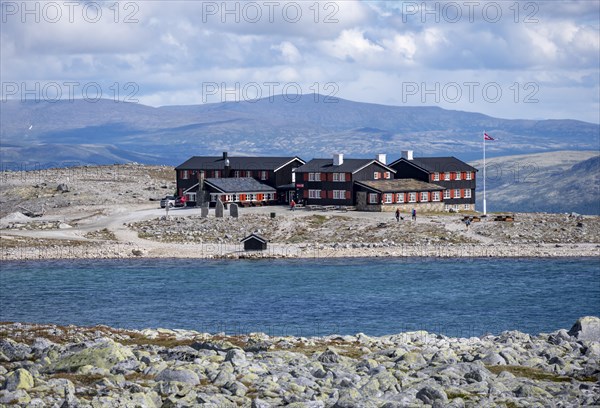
(69, 366)
(127, 250)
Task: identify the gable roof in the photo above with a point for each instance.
(399, 185)
(237, 163)
(348, 166)
(437, 164)
(238, 185)
(256, 237)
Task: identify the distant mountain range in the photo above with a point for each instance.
(51, 133)
(565, 181)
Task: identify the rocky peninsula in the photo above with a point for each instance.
(69, 366)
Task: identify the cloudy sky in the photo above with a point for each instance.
(508, 59)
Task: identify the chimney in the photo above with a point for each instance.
(407, 154)
(224, 155)
(338, 159)
(382, 158)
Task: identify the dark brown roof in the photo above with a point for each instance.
(256, 237)
(347, 166)
(236, 163)
(400, 185)
(239, 185)
(438, 164)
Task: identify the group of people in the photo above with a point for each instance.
(399, 217)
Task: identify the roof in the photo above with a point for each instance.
(400, 185)
(347, 166)
(241, 163)
(239, 185)
(256, 237)
(438, 164)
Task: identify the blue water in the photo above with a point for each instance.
(455, 297)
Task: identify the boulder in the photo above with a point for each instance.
(14, 397)
(105, 353)
(236, 356)
(329, 356)
(14, 351)
(20, 379)
(431, 394)
(179, 375)
(586, 328)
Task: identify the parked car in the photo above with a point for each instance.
(172, 201)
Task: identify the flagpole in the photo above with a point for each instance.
(484, 202)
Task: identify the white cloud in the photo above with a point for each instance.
(368, 49)
(289, 52)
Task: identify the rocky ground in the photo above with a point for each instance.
(54, 366)
(113, 212)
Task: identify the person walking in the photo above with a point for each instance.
(397, 214)
(292, 205)
(414, 214)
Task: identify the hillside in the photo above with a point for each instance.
(566, 181)
(38, 132)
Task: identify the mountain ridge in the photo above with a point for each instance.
(170, 134)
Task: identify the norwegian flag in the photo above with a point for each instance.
(487, 137)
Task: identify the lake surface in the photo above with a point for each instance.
(309, 297)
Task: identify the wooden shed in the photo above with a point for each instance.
(254, 242)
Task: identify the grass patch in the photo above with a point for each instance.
(453, 395)
(317, 220)
(534, 373)
(79, 379)
(161, 340)
(103, 234)
(350, 350)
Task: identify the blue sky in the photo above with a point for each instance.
(526, 59)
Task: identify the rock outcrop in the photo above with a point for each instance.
(53, 366)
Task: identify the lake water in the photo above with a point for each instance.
(311, 297)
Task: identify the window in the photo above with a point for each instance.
(294, 176)
(185, 174)
(251, 197)
(249, 173)
(467, 193)
(217, 173)
(424, 196)
(387, 175)
(436, 176)
(263, 175)
(314, 193)
(469, 176)
(436, 196)
(236, 174)
(376, 175)
(457, 175)
(372, 198)
(457, 194)
(339, 177)
(339, 194)
(412, 197)
(467, 206)
(399, 197)
(387, 198)
(446, 194)
(314, 176)
(447, 176)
